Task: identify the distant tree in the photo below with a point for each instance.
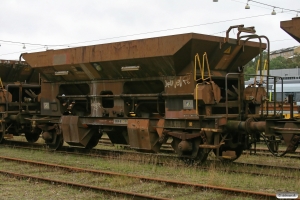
(282, 63)
(294, 62)
(278, 63)
(250, 67)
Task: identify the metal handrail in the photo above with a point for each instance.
(202, 67)
(226, 88)
(274, 77)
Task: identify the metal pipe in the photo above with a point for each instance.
(20, 97)
(20, 57)
(248, 126)
(226, 88)
(253, 37)
(268, 68)
(197, 113)
(290, 100)
(126, 95)
(229, 29)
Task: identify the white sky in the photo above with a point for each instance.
(59, 22)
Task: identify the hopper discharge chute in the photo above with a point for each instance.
(13, 71)
(153, 57)
(292, 27)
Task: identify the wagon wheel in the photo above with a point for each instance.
(200, 158)
(1, 137)
(93, 141)
(57, 142)
(2, 132)
(273, 144)
(229, 154)
(195, 156)
(32, 137)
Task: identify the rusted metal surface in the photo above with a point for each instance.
(142, 135)
(184, 135)
(293, 144)
(255, 94)
(154, 57)
(249, 125)
(295, 108)
(204, 94)
(75, 133)
(292, 27)
(206, 146)
(141, 92)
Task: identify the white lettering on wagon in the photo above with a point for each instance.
(95, 106)
(178, 82)
(120, 121)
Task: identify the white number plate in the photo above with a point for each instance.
(120, 121)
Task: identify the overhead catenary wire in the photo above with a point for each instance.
(22, 51)
(297, 11)
(272, 6)
(27, 43)
(137, 34)
(68, 45)
(170, 29)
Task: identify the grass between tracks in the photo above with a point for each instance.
(28, 189)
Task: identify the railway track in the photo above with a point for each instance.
(163, 159)
(116, 153)
(168, 149)
(133, 195)
(265, 151)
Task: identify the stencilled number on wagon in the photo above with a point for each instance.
(46, 105)
(120, 121)
(178, 82)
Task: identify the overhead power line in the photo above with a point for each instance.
(297, 11)
(137, 34)
(171, 29)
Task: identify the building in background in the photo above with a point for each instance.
(288, 75)
(286, 52)
(290, 84)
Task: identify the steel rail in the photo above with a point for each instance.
(263, 153)
(205, 165)
(266, 165)
(259, 151)
(106, 153)
(132, 195)
(267, 150)
(144, 178)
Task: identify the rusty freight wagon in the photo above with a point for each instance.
(19, 88)
(188, 88)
